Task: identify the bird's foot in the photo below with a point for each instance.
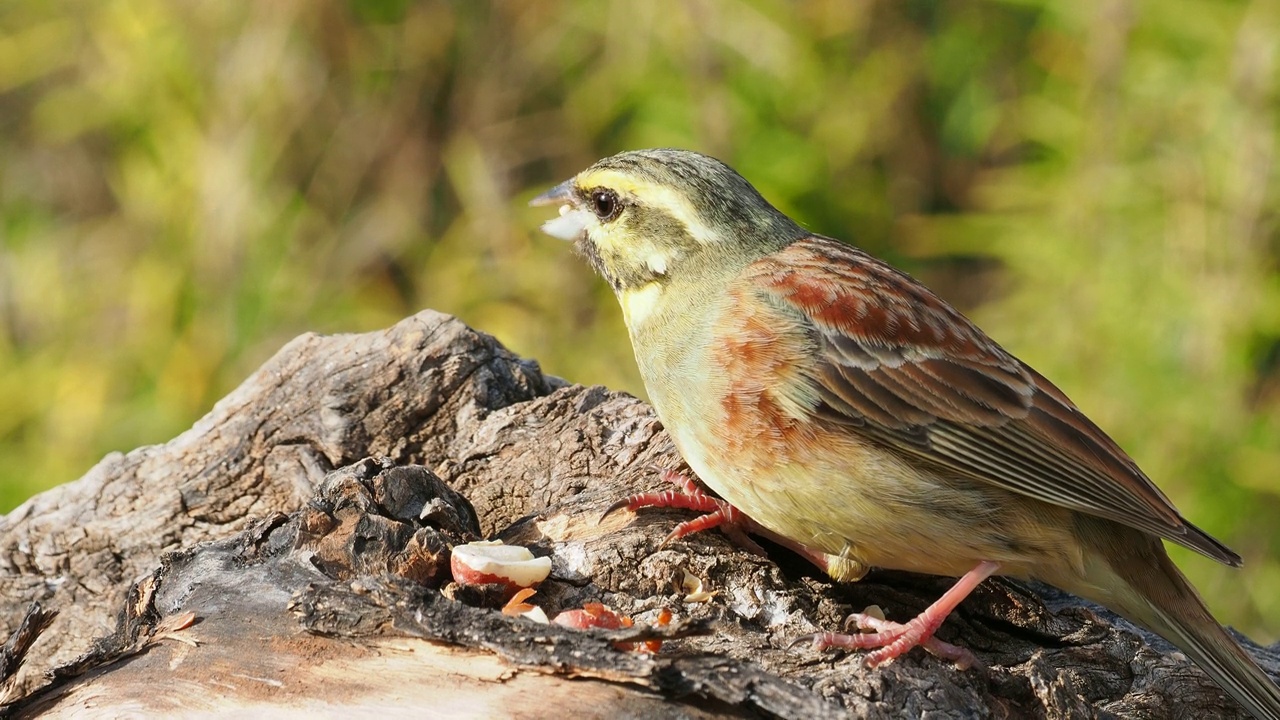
(891, 639)
(688, 496)
(731, 521)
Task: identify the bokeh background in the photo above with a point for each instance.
(186, 185)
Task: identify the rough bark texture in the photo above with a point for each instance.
(290, 553)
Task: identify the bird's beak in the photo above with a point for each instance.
(573, 221)
(561, 194)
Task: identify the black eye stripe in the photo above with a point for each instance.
(605, 204)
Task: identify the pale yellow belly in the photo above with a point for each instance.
(848, 498)
(733, 390)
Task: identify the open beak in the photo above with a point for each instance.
(561, 194)
(573, 221)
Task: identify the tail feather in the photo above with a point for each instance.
(1219, 655)
(1142, 583)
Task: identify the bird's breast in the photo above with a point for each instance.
(732, 382)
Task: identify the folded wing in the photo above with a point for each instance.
(902, 366)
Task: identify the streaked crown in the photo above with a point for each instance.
(640, 216)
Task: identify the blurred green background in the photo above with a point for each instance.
(186, 185)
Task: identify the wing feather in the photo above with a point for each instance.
(905, 368)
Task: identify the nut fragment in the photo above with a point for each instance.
(695, 590)
(517, 607)
(663, 620)
(592, 615)
(491, 562)
(597, 615)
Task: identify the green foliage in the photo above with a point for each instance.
(184, 186)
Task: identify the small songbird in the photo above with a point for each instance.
(850, 412)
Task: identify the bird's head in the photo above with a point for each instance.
(647, 216)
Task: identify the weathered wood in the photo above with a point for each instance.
(259, 564)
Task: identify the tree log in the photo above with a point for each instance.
(290, 552)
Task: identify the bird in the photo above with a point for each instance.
(850, 412)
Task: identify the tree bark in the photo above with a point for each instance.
(289, 553)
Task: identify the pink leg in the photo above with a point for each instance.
(732, 521)
(688, 497)
(962, 657)
(893, 639)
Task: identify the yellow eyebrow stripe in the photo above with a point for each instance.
(654, 195)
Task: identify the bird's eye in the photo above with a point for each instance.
(605, 204)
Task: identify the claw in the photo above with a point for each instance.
(805, 640)
(688, 496)
(893, 639)
(623, 503)
(719, 514)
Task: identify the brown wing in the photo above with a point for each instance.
(902, 365)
